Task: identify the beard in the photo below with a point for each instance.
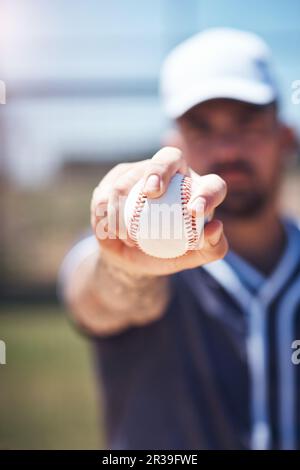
(248, 199)
(243, 204)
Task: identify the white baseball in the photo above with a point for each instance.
(162, 227)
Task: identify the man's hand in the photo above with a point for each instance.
(207, 193)
(119, 286)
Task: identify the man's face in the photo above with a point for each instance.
(241, 143)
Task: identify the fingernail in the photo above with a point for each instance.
(198, 205)
(152, 184)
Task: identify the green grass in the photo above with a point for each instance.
(47, 388)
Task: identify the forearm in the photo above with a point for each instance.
(104, 298)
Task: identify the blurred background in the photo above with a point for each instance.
(82, 95)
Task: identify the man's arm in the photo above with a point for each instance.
(106, 299)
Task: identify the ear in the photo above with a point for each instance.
(289, 142)
(172, 138)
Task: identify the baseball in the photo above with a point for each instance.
(162, 227)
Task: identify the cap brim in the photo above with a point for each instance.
(242, 90)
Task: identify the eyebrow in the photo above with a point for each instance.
(244, 114)
(248, 116)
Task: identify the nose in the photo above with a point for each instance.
(227, 147)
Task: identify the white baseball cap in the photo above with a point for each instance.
(217, 63)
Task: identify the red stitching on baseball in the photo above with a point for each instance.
(189, 220)
(135, 218)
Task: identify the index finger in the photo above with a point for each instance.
(163, 165)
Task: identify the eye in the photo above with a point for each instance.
(250, 123)
(203, 126)
(201, 129)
